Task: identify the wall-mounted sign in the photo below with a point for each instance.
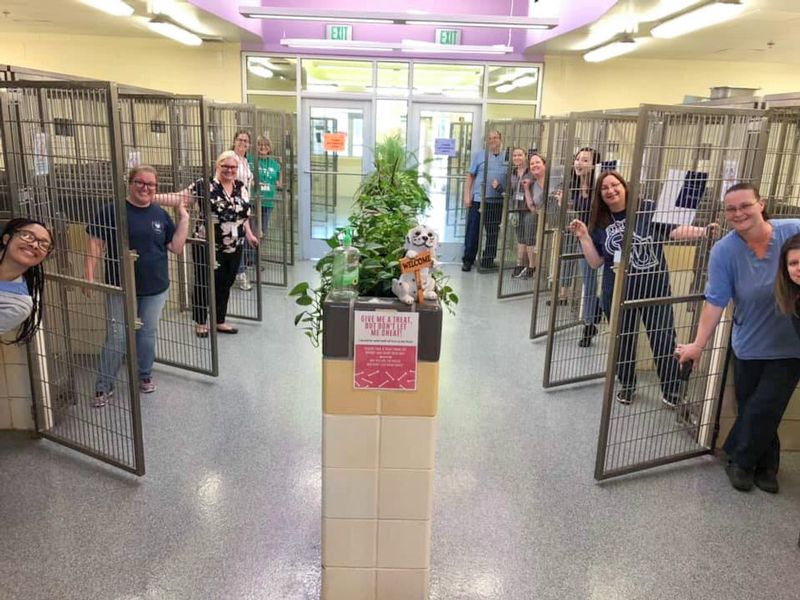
(448, 37)
(339, 32)
(444, 147)
(334, 142)
(385, 350)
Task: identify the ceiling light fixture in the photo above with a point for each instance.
(505, 88)
(173, 32)
(612, 50)
(319, 44)
(432, 48)
(399, 18)
(260, 71)
(117, 8)
(705, 16)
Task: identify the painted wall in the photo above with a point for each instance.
(213, 70)
(572, 84)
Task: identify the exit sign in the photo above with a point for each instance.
(339, 32)
(448, 37)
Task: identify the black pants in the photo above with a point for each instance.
(224, 277)
(763, 390)
(493, 213)
(659, 323)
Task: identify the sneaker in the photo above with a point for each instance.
(589, 331)
(671, 400)
(518, 272)
(625, 395)
(740, 479)
(466, 267)
(147, 385)
(527, 273)
(766, 481)
(101, 399)
(243, 283)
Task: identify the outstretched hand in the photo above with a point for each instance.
(578, 229)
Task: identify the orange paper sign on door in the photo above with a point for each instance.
(334, 142)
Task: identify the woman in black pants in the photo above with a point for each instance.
(230, 212)
(766, 352)
(647, 277)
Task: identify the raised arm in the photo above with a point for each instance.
(182, 197)
(691, 232)
(579, 230)
(181, 231)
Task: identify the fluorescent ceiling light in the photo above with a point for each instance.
(430, 47)
(505, 88)
(705, 16)
(338, 44)
(399, 18)
(260, 71)
(323, 87)
(118, 8)
(524, 81)
(174, 32)
(611, 50)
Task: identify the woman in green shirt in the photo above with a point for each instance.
(269, 180)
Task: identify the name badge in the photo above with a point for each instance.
(519, 197)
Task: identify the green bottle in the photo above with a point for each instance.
(344, 285)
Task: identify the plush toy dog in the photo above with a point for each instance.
(418, 239)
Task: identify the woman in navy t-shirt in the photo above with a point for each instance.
(647, 277)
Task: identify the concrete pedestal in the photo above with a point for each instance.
(378, 451)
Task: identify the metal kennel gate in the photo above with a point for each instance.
(780, 181)
(222, 123)
(517, 222)
(61, 143)
(271, 125)
(547, 225)
(685, 160)
(166, 132)
(572, 355)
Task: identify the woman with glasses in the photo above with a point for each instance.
(241, 146)
(269, 180)
(647, 277)
(227, 204)
(24, 244)
(151, 233)
(766, 351)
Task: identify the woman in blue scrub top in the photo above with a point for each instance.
(24, 244)
(766, 350)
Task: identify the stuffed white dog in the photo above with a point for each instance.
(418, 239)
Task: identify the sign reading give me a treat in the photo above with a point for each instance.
(385, 350)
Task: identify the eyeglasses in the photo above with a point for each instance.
(29, 237)
(229, 167)
(144, 184)
(612, 186)
(732, 210)
(242, 141)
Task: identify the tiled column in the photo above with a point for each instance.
(378, 452)
(15, 388)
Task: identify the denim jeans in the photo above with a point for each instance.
(591, 305)
(113, 353)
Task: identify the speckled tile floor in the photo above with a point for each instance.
(229, 507)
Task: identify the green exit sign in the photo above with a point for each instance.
(448, 37)
(339, 32)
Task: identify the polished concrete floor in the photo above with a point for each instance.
(229, 507)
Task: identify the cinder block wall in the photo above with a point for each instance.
(15, 388)
(378, 450)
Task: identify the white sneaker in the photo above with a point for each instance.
(244, 284)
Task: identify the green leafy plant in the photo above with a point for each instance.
(388, 203)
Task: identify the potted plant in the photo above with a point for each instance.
(389, 202)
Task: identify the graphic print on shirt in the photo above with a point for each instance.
(643, 256)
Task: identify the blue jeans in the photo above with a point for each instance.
(113, 354)
(591, 306)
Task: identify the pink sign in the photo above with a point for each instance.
(385, 352)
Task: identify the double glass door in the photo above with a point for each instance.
(337, 138)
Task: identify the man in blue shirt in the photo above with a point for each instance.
(485, 171)
(151, 232)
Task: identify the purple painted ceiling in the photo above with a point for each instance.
(572, 14)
